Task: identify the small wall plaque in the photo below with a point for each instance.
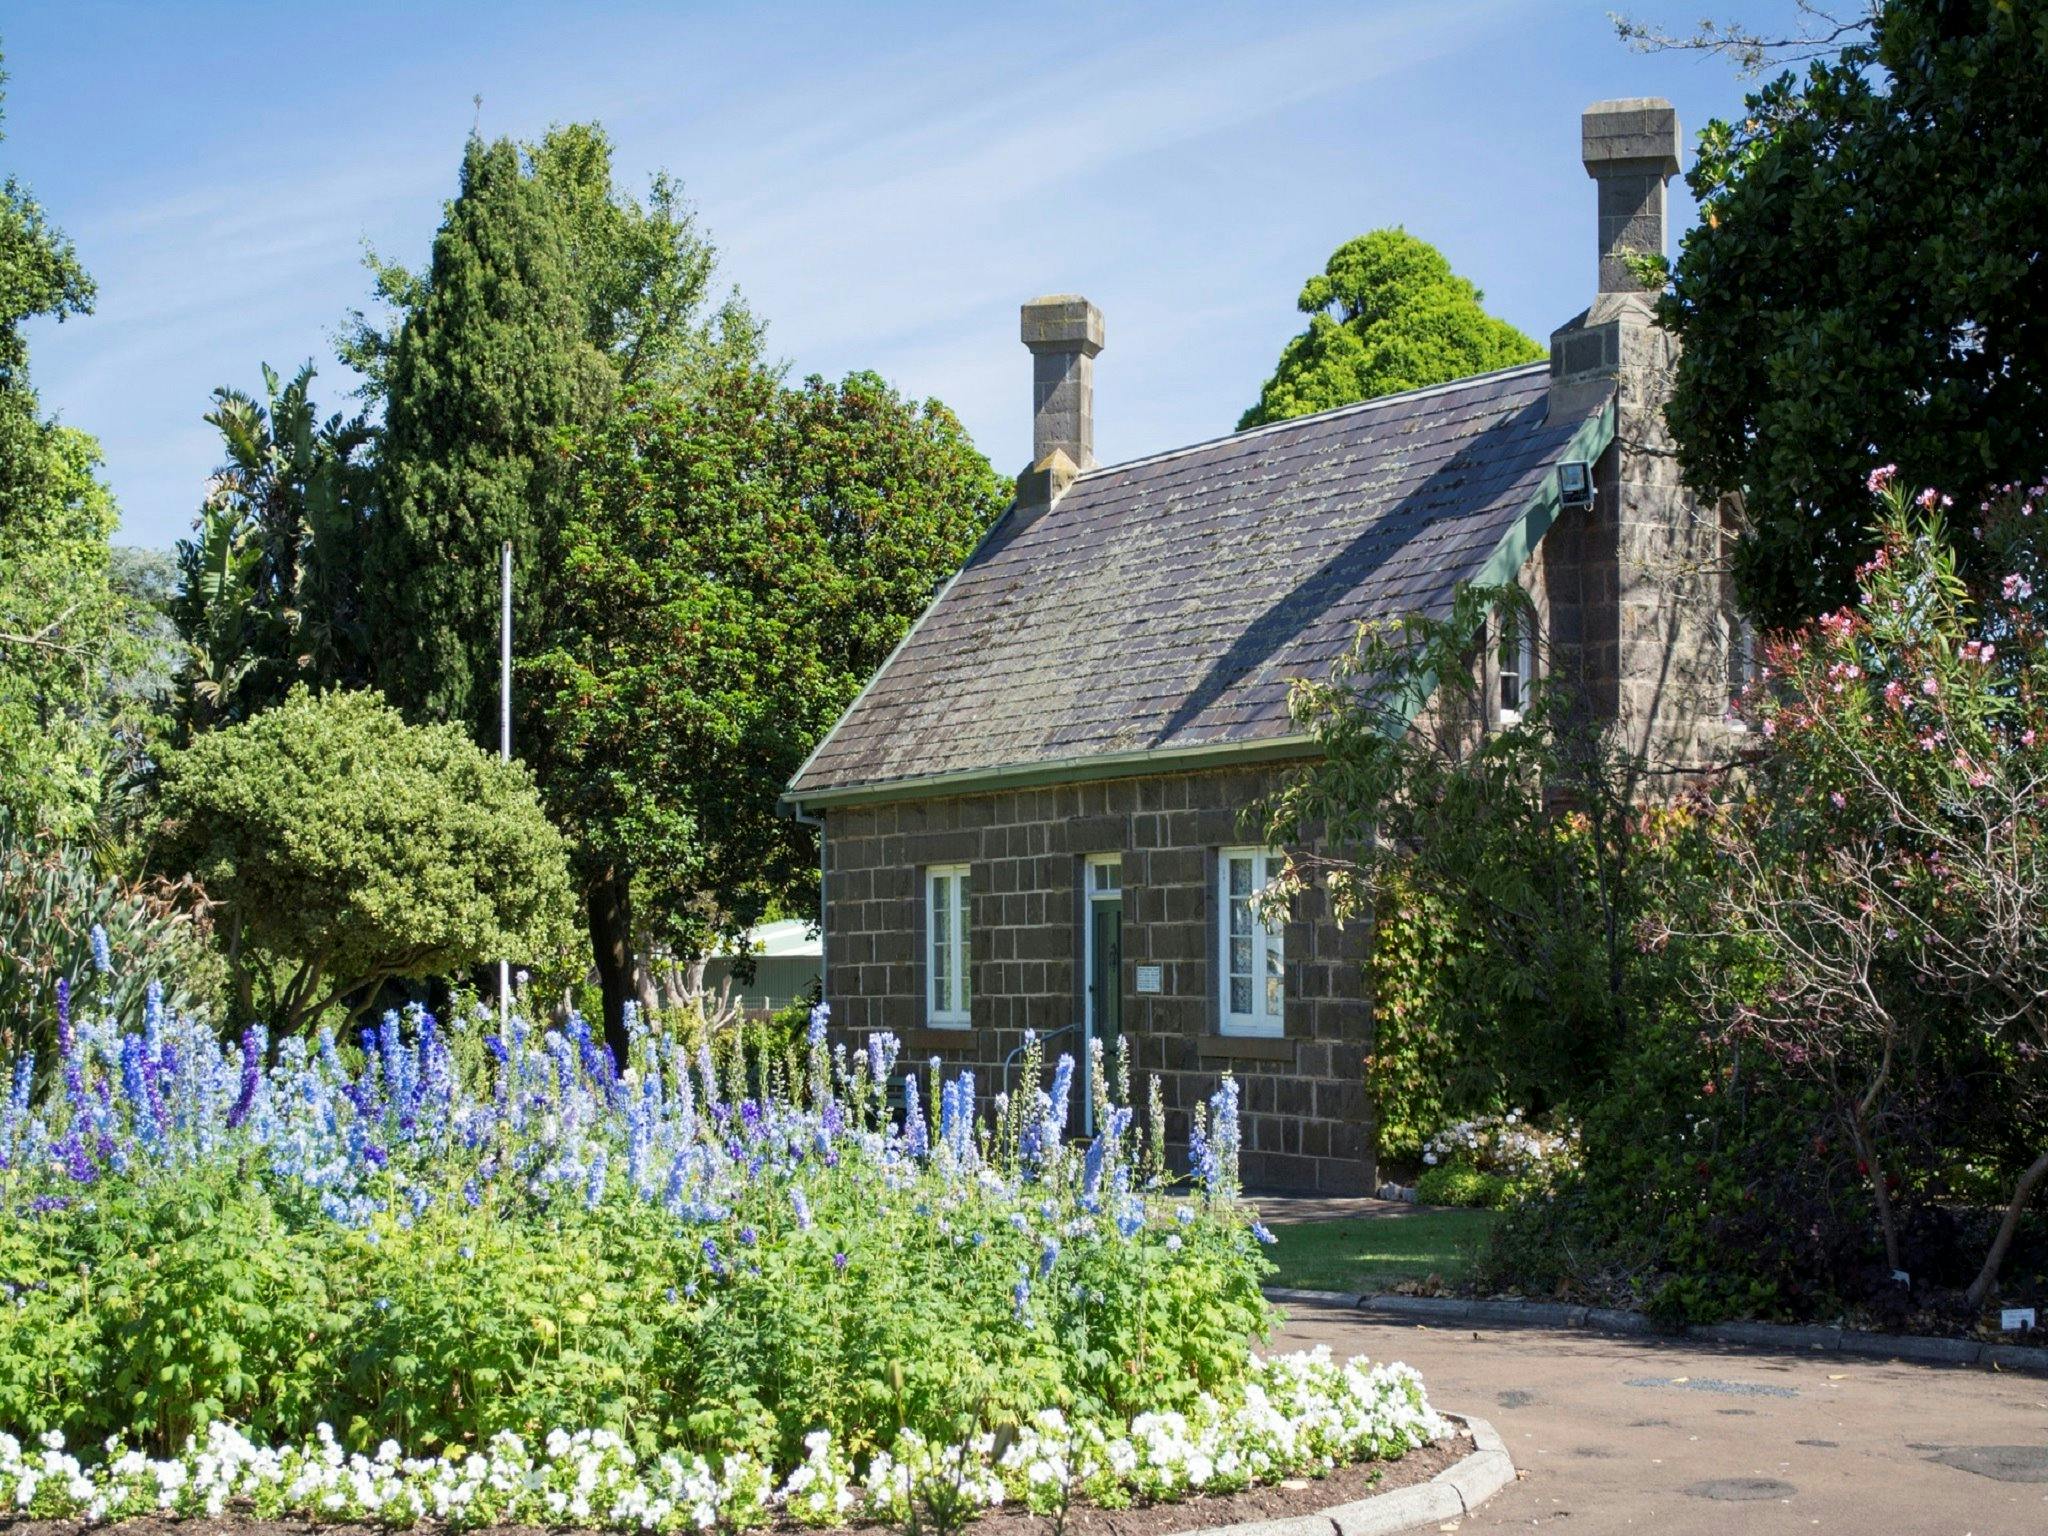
(1151, 978)
(2013, 1319)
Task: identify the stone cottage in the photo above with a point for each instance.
(1032, 816)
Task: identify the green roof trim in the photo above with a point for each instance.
(1525, 533)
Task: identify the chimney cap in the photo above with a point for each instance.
(1633, 134)
(1062, 322)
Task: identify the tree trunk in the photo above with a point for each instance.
(608, 901)
(1980, 1288)
(1880, 1196)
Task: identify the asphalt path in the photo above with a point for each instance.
(1675, 1437)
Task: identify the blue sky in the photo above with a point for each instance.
(886, 183)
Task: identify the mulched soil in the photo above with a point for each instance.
(1297, 1496)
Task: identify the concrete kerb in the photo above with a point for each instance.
(1803, 1338)
(1451, 1495)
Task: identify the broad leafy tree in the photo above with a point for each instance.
(1865, 286)
(740, 557)
(270, 585)
(1386, 314)
(345, 847)
(61, 616)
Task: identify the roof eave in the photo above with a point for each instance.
(1518, 542)
(1067, 770)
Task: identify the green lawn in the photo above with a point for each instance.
(1372, 1253)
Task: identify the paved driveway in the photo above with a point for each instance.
(1618, 1434)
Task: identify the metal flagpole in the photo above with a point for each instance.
(504, 728)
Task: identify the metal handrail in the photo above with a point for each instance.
(1010, 1060)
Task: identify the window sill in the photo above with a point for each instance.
(1245, 1048)
(954, 1037)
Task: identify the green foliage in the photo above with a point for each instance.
(740, 558)
(1510, 868)
(1858, 1088)
(52, 895)
(486, 372)
(1891, 869)
(270, 589)
(62, 621)
(1864, 287)
(214, 1284)
(1386, 313)
(204, 1298)
(356, 848)
(548, 292)
(1461, 1184)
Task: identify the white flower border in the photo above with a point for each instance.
(1299, 1414)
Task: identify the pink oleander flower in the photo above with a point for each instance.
(1881, 478)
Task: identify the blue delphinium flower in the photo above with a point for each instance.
(1221, 1174)
(102, 954)
(1062, 1091)
(821, 1017)
(916, 1139)
(802, 1207)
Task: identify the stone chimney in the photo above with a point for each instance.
(1064, 332)
(1637, 587)
(1631, 150)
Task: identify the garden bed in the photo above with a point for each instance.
(1290, 1497)
(367, 1281)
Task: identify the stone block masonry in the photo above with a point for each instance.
(1306, 1123)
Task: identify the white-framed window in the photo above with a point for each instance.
(1516, 654)
(946, 948)
(1105, 874)
(1253, 997)
(1738, 643)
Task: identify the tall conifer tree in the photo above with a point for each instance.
(485, 373)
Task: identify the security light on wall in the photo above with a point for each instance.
(1575, 483)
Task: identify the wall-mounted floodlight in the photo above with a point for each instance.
(1575, 483)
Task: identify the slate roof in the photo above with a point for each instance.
(1166, 603)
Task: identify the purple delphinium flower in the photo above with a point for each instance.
(252, 1071)
(802, 1206)
(839, 1261)
(67, 1049)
